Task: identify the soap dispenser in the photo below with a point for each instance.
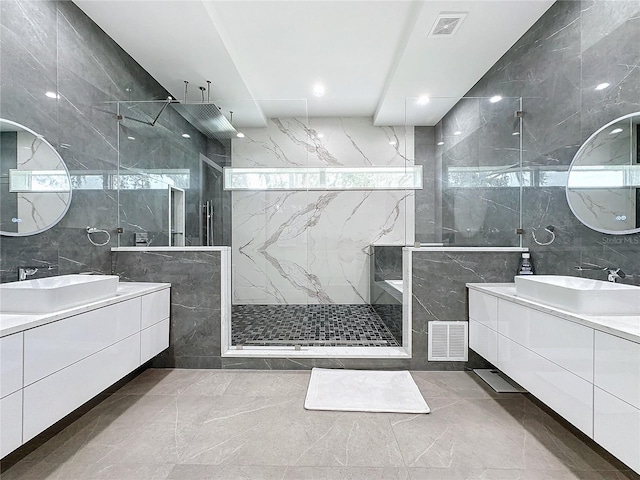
(526, 266)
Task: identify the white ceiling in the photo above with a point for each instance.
(263, 57)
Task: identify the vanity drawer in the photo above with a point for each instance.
(154, 340)
(53, 397)
(10, 423)
(617, 427)
(483, 308)
(54, 346)
(155, 307)
(617, 367)
(11, 349)
(483, 341)
(566, 393)
(565, 343)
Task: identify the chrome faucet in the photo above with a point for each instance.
(613, 274)
(26, 272)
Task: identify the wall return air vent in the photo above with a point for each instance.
(447, 24)
(448, 341)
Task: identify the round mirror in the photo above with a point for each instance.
(604, 178)
(35, 191)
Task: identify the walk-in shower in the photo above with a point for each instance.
(321, 213)
(311, 197)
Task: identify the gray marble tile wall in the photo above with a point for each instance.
(48, 45)
(425, 200)
(439, 293)
(474, 216)
(555, 67)
(195, 301)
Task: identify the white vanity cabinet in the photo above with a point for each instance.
(11, 353)
(10, 392)
(551, 357)
(10, 422)
(55, 396)
(483, 325)
(52, 347)
(50, 369)
(560, 341)
(589, 376)
(566, 393)
(154, 335)
(617, 397)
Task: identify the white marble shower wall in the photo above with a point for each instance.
(312, 247)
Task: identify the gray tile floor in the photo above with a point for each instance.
(221, 424)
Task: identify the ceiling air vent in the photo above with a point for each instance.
(446, 24)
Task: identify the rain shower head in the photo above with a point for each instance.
(207, 118)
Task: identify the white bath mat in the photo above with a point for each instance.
(364, 391)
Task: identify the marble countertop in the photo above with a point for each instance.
(14, 322)
(623, 326)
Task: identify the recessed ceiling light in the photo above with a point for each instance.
(615, 130)
(318, 90)
(423, 100)
(186, 135)
(602, 86)
(458, 132)
(495, 99)
(240, 135)
(131, 138)
(440, 143)
(52, 95)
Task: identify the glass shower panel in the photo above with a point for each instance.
(160, 150)
(215, 202)
(477, 177)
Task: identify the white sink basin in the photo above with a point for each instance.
(51, 294)
(580, 295)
